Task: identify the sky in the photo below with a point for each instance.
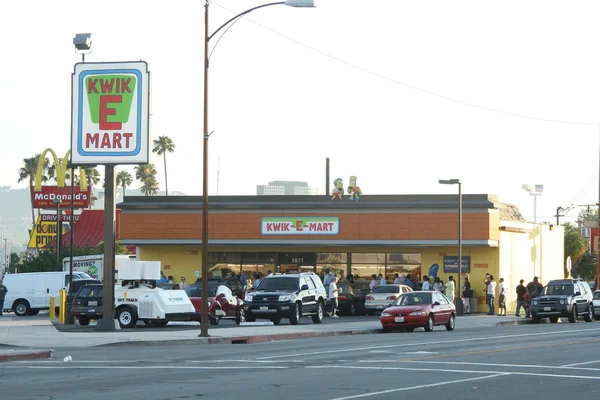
(398, 93)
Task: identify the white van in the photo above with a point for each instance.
(30, 292)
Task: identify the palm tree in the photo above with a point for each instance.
(162, 145)
(124, 179)
(28, 171)
(146, 174)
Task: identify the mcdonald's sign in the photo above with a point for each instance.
(42, 196)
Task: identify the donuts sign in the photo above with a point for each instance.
(110, 113)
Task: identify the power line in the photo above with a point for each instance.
(384, 77)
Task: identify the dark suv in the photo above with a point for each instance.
(287, 296)
(570, 298)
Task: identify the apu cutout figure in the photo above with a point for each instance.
(354, 190)
(338, 189)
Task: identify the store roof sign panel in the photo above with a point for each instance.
(300, 226)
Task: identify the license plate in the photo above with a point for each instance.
(547, 308)
(264, 309)
(399, 319)
(92, 303)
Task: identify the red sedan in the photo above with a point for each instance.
(222, 304)
(419, 309)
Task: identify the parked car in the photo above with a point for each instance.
(233, 283)
(87, 303)
(349, 301)
(287, 296)
(383, 296)
(570, 298)
(222, 303)
(419, 309)
(596, 303)
(79, 283)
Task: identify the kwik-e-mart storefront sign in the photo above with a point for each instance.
(110, 113)
(300, 226)
(44, 196)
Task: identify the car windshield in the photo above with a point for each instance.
(412, 299)
(554, 290)
(344, 288)
(89, 291)
(386, 289)
(196, 291)
(278, 283)
(81, 275)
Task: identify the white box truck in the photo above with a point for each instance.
(29, 293)
(94, 265)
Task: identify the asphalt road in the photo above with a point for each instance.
(544, 361)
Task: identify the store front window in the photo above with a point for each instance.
(404, 264)
(257, 265)
(366, 264)
(335, 262)
(223, 264)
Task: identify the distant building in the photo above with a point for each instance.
(289, 188)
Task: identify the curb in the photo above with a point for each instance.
(22, 356)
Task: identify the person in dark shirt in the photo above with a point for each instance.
(520, 297)
(534, 289)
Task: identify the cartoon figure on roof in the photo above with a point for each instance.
(353, 189)
(338, 189)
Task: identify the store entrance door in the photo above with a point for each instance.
(297, 262)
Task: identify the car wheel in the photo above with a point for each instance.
(214, 320)
(126, 317)
(573, 316)
(589, 317)
(241, 317)
(297, 312)
(451, 323)
(429, 326)
(21, 308)
(410, 330)
(318, 317)
(554, 320)
(84, 321)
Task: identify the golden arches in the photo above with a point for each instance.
(61, 170)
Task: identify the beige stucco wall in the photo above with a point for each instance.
(523, 255)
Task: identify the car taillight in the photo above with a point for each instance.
(341, 297)
(391, 298)
(369, 298)
(76, 302)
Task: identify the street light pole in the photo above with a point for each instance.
(58, 233)
(207, 38)
(458, 297)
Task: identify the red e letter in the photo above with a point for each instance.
(106, 111)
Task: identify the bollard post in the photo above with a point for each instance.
(61, 313)
(52, 311)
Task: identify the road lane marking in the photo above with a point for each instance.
(417, 387)
(66, 366)
(562, 368)
(457, 371)
(477, 339)
(581, 363)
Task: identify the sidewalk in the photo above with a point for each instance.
(26, 333)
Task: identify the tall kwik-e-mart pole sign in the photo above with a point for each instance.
(110, 114)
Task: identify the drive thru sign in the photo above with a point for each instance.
(110, 113)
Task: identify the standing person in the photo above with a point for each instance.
(450, 289)
(408, 282)
(374, 282)
(466, 296)
(3, 291)
(328, 278)
(491, 294)
(397, 279)
(426, 283)
(170, 279)
(382, 280)
(520, 297)
(438, 285)
(333, 296)
(182, 284)
(502, 292)
(534, 289)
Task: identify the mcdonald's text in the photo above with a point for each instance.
(44, 198)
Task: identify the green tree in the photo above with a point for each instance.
(588, 267)
(119, 248)
(575, 245)
(13, 264)
(28, 172)
(146, 174)
(124, 179)
(162, 146)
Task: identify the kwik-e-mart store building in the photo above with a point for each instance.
(387, 234)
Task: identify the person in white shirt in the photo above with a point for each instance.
(502, 292)
(450, 289)
(374, 282)
(491, 294)
(333, 295)
(426, 284)
(397, 279)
